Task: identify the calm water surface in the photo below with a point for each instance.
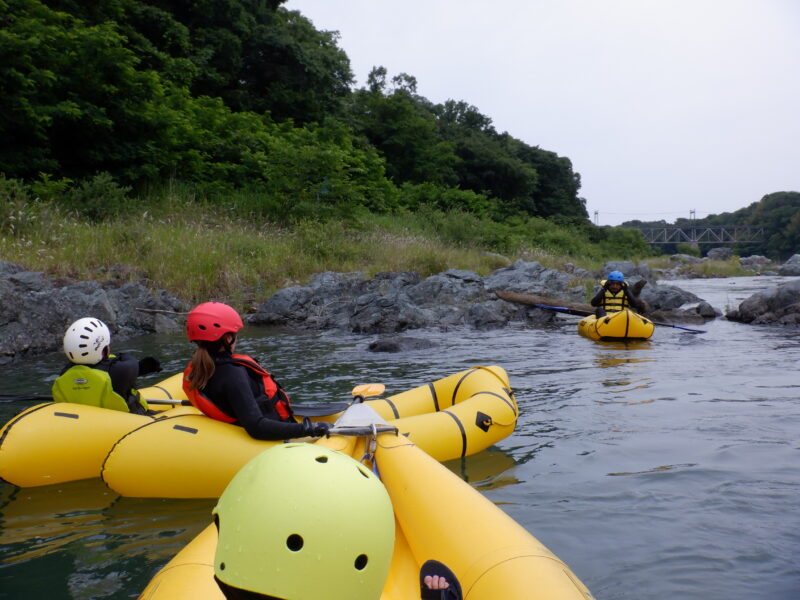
(662, 469)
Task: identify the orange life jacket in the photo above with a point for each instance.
(276, 395)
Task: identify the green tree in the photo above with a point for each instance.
(72, 101)
(400, 125)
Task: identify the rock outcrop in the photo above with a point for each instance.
(780, 304)
(392, 302)
(35, 310)
(791, 267)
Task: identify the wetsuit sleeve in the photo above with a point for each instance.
(243, 403)
(635, 302)
(598, 297)
(123, 370)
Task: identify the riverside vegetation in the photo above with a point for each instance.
(197, 249)
(224, 151)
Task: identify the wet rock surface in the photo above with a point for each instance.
(777, 305)
(35, 310)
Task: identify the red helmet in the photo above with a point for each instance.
(211, 320)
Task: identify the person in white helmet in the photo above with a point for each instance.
(96, 377)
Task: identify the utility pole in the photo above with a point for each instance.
(692, 218)
(595, 217)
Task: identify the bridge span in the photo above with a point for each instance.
(701, 234)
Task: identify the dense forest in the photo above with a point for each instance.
(244, 104)
(246, 95)
(778, 214)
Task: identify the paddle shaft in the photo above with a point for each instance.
(586, 313)
(41, 398)
(300, 410)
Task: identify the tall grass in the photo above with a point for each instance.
(200, 251)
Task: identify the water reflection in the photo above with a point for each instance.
(37, 521)
(485, 470)
(81, 515)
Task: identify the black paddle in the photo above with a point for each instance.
(586, 313)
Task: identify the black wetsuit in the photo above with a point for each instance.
(123, 369)
(239, 392)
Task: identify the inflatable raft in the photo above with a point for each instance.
(438, 516)
(622, 325)
(184, 454)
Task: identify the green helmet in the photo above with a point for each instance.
(303, 522)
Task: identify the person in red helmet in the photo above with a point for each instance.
(234, 388)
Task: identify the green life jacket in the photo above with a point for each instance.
(82, 384)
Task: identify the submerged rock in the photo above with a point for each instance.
(400, 344)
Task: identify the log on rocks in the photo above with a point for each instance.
(533, 299)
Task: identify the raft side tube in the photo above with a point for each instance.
(58, 442)
(446, 520)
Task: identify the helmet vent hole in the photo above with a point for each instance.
(222, 566)
(364, 473)
(361, 562)
(294, 542)
(84, 337)
(217, 325)
(202, 327)
(322, 459)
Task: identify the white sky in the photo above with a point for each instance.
(663, 106)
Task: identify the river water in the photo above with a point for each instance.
(661, 469)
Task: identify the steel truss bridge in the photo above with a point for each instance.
(701, 235)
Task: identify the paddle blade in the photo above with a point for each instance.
(368, 390)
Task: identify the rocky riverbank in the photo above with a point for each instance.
(396, 302)
(36, 309)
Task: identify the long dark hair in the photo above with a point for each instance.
(203, 360)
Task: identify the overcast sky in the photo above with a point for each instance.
(663, 106)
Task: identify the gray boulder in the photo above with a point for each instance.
(628, 268)
(756, 262)
(791, 267)
(684, 259)
(780, 304)
(666, 297)
(387, 313)
(530, 278)
(723, 253)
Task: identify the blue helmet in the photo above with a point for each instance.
(616, 276)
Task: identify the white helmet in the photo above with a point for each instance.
(85, 340)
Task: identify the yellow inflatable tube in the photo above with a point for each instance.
(437, 516)
(622, 325)
(59, 442)
(192, 456)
